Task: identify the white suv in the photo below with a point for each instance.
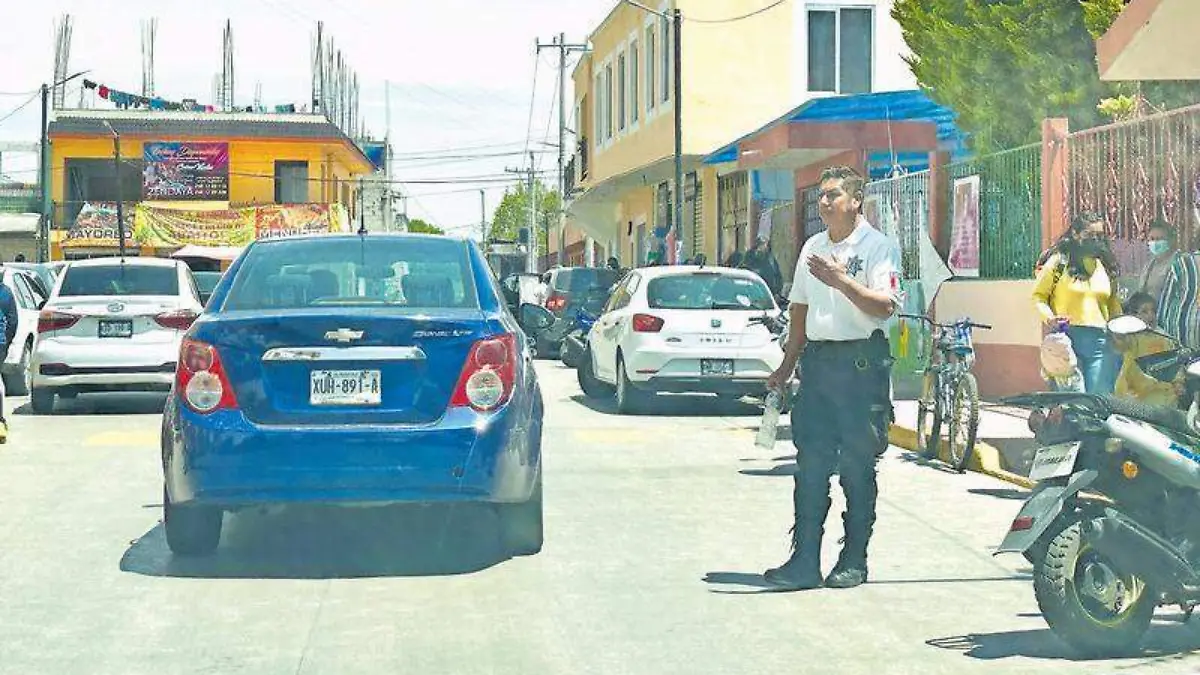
(682, 329)
(112, 325)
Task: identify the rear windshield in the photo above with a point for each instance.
(584, 279)
(708, 290)
(318, 272)
(120, 280)
(206, 281)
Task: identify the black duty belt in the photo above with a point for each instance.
(874, 350)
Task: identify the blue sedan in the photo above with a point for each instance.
(354, 370)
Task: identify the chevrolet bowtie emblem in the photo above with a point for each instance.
(344, 335)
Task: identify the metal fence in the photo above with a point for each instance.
(1135, 172)
(1009, 214)
(900, 207)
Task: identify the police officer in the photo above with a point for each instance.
(845, 289)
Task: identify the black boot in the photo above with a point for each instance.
(851, 568)
(802, 571)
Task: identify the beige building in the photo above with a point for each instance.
(737, 75)
(1152, 40)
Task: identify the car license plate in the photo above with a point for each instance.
(721, 367)
(345, 387)
(116, 329)
(1054, 461)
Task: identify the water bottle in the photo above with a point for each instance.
(770, 420)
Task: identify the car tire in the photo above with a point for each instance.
(42, 401)
(591, 385)
(630, 401)
(191, 530)
(20, 382)
(521, 524)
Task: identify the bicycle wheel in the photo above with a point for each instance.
(929, 416)
(964, 421)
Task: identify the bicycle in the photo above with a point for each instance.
(949, 386)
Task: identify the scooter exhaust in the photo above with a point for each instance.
(1132, 547)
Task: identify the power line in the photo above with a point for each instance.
(461, 148)
(732, 19)
(537, 60)
(21, 107)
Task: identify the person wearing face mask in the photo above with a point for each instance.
(1164, 252)
(1077, 284)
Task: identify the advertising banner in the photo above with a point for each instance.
(286, 220)
(96, 226)
(168, 228)
(186, 171)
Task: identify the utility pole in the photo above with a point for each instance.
(483, 218)
(44, 180)
(120, 197)
(678, 95)
(560, 43)
(532, 246)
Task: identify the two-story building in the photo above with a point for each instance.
(737, 75)
(193, 161)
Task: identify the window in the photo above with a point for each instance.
(622, 82)
(650, 56)
(393, 273)
(666, 59)
(291, 182)
(120, 280)
(709, 290)
(839, 50)
(25, 296)
(608, 102)
(598, 116)
(634, 83)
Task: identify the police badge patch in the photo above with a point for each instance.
(854, 265)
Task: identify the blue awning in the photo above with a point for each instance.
(895, 106)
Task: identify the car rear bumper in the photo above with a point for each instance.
(109, 366)
(725, 386)
(224, 460)
(680, 370)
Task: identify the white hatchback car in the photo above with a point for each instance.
(682, 329)
(15, 368)
(112, 325)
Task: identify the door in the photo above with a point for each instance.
(606, 335)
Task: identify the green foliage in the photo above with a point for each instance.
(513, 213)
(1005, 65)
(418, 225)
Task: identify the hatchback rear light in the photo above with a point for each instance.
(201, 380)
(488, 376)
(180, 319)
(556, 303)
(50, 320)
(646, 323)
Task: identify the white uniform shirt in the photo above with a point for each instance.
(871, 258)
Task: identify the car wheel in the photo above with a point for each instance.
(20, 382)
(521, 524)
(42, 400)
(630, 401)
(191, 530)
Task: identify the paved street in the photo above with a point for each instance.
(657, 527)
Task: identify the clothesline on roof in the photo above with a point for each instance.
(126, 100)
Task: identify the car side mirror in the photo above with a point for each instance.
(535, 317)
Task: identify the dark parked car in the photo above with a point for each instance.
(572, 289)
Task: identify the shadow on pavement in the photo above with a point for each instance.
(916, 458)
(676, 405)
(754, 583)
(1001, 493)
(330, 543)
(103, 404)
(1162, 641)
(780, 470)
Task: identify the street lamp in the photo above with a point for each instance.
(676, 18)
(120, 197)
(44, 168)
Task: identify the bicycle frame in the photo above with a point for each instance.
(952, 354)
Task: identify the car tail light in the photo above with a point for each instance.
(180, 319)
(200, 378)
(487, 378)
(1021, 524)
(50, 320)
(556, 303)
(646, 323)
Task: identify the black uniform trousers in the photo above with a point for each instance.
(840, 424)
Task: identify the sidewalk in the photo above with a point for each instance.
(1004, 447)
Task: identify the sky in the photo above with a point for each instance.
(460, 74)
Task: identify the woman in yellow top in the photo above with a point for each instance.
(1132, 382)
(1077, 283)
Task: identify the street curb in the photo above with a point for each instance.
(985, 459)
